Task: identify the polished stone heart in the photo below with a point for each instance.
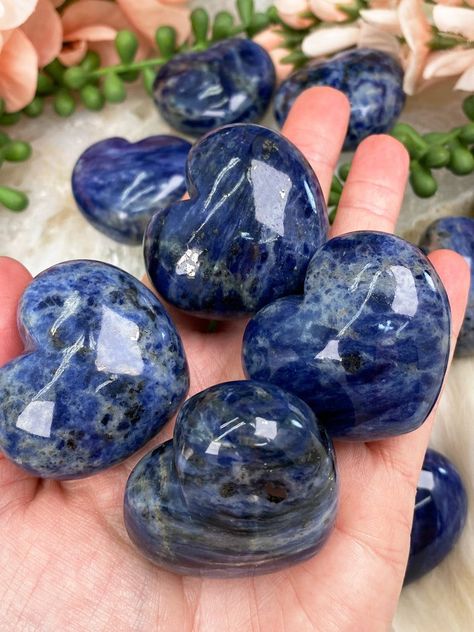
(456, 233)
(372, 81)
(119, 186)
(103, 370)
(367, 346)
(255, 218)
(231, 82)
(440, 515)
(247, 486)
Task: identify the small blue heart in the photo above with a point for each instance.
(456, 233)
(371, 80)
(231, 82)
(439, 517)
(118, 186)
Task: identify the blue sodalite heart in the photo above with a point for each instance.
(248, 485)
(231, 82)
(372, 81)
(440, 515)
(368, 344)
(456, 233)
(119, 186)
(103, 370)
(255, 218)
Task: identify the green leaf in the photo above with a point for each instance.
(165, 38)
(126, 44)
(114, 88)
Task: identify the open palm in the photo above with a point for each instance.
(65, 560)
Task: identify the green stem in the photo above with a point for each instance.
(120, 68)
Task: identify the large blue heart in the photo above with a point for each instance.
(231, 82)
(103, 371)
(255, 218)
(367, 345)
(248, 485)
(371, 79)
(119, 186)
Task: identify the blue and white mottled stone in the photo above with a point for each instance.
(371, 79)
(231, 82)
(102, 372)
(367, 346)
(440, 515)
(456, 233)
(247, 486)
(255, 218)
(119, 186)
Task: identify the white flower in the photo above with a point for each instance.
(417, 33)
(456, 20)
(291, 12)
(329, 40)
(372, 37)
(449, 63)
(384, 19)
(328, 11)
(15, 12)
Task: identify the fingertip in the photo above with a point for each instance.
(14, 278)
(380, 150)
(323, 97)
(455, 276)
(317, 125)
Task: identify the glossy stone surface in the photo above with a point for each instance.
(456, 233)
(103, 371)
(255, 218)
(371, 79)
(118, 185)
(247, 486)
(231, 82)
(366, 346)
(440, 515)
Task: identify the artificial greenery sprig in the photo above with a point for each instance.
(453, 150)
(13, 151)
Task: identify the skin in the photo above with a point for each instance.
(65, 559)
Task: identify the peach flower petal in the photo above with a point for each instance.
(96, 33)
(15, 12)
(373, 37)
(18, 71)
(328, 11)
(91, 13)
(97, 22)
(290, 12)
(448, 63)
(466, 80)
(73, 53)
(417, 34)
(458, 20)
(45, 31)
(269, 39)
(384, 19)
(147, 15)
(282, 70)
(326, 41)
